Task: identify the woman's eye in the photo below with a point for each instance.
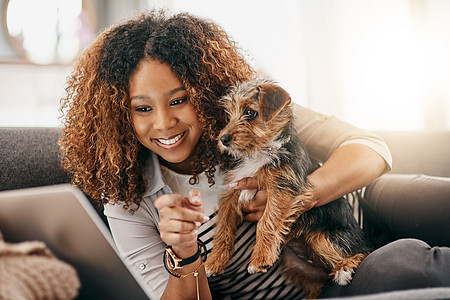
(143, 109)
(250, 114)
(178, 101)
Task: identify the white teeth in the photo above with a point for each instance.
(172, 140)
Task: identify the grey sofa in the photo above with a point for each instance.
(30, 158)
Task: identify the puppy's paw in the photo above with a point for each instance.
(343, 277)
(344, 270)
(261, 259)
(209, 272)
(212, 268)
(255, 269)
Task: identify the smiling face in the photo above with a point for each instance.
(162, 117)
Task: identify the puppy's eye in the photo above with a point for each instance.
(250, 114)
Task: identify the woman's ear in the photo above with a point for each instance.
(272, 99)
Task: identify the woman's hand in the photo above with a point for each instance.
(180, 219)
(253, 209)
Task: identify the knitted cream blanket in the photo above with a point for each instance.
(29, 270)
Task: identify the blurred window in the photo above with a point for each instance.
(50, 31)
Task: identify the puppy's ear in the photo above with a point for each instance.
(272, 99)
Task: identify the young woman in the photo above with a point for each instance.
(141, 120)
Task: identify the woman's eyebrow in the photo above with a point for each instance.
(139, 97)
(176, 90)
(169, 93)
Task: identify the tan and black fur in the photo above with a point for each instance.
(314, 243)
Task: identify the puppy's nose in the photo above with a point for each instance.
(226, 140)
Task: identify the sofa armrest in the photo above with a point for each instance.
(30, 158)
(407, 206)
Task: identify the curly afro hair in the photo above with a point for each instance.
(98, 145)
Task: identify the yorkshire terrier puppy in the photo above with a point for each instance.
(315, 244)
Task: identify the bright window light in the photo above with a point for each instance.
(47, 30)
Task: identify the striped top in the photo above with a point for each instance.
(138, 240)
(236, 282)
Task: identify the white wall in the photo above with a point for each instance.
(379, 64)
(29, 94)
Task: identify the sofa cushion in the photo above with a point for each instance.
(29, 158)
(408, 206)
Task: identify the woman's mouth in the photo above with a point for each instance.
(171, 141)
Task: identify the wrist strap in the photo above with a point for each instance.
(174, 262)
(171, 262)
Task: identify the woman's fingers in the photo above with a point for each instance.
(179, 239)
(169, 200)
(193, 204)
(254, 209)
(181, 213)
(178, 227)
(180, 218)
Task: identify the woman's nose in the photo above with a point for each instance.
(163, 119)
